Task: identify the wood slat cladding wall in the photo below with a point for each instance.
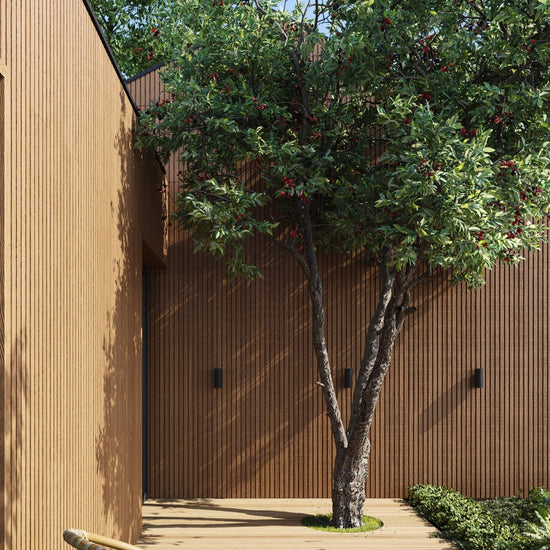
(2, 259)
(72, 258)
(265, 433)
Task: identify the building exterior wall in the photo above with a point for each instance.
(74, 227)
(265, 432)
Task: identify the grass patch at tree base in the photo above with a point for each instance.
(322, 522)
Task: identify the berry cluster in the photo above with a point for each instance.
(288, 185)
(468, 133)
(526, 47)
(518, 220)
(425, 45)
(502, 118)
(384, 23)
(505, 164)
(260, 107)
(481, 239)
(239, 218)
(425, 169)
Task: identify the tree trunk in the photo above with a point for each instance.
(353, 446)
(351, 464)
(348, 492)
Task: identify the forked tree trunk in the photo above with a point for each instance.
(353, 445)
(351, 464)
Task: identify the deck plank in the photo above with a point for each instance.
(275, 523)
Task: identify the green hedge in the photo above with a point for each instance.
(496, 524)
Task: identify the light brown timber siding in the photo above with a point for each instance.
(2, 401)
(71, 260)
(265, 433)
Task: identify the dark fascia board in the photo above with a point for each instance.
(97, 26)
(145, 72)
(109, 52)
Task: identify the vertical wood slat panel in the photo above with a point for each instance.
(2, 317)
(265, 434)
(71, 236)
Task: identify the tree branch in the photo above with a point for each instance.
(315, 288)
(372, 339)
(292, 250)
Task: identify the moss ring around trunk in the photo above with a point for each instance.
(322, 522)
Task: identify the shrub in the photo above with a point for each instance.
(495, 524)
(539, 531)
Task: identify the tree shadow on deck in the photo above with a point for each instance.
(210, 515)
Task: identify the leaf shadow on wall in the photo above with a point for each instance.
(14, 394)
(118, 441)
(265, 432)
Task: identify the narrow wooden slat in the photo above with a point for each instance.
(3, 492)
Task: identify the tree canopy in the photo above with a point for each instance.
(131, 28)
(408, 126)
(413, 131)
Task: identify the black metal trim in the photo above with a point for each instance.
(146, 71)
(145, 382)
(97, 26)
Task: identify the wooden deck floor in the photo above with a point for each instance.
(275, 523)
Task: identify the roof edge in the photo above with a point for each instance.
(97, 26)
(145, 72)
